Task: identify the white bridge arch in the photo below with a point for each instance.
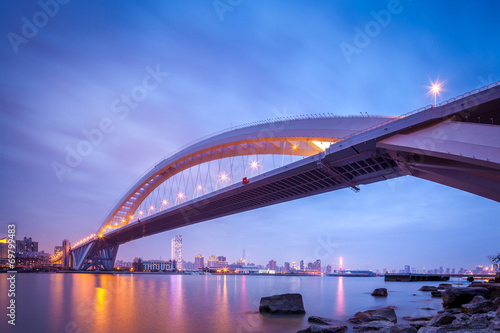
(299, 136)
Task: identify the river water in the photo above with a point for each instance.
(55, 302)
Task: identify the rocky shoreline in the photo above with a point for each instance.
(475, 308)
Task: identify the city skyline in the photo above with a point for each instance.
(214, 73)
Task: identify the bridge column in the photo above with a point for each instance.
(462, 155)
(96, 255)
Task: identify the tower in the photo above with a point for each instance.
(176, 252)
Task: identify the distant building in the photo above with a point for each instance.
(301, 265)
(272, 265)
(137, 265)
(188, 265)
(158, 265)
(176, 252)
(199, 262)
(66, 256)
(213, 262)
(222, 262)
(407, 269)
(287, 267)
(57, 249)
(26, 245)
(4, 248)
(317, 265)
(328, 268)
(27, 253)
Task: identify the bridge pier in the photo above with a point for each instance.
(96, 255)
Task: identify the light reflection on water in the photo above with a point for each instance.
(193, 303)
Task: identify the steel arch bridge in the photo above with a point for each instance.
(335, 152)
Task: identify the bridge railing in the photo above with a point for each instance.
(422, 109)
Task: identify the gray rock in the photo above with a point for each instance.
(478, 305)
(282, 304)
(402, 328)
(456, 297)
(477, 322)
(418, 324)
(428, 288)
(325, 329)
(376, 325)
(426, 318)
(494, 325)
(431, 330)
(320, 320)
(436, 294)
(387, 314)
(441, 319)
(493, 288)
(490, 315)
(380, 292)
(443, 286)
(496, 301)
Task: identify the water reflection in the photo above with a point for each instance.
(341, 312)
(182, 303)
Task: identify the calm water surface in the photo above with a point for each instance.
(52, 302)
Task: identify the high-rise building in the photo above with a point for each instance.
(66, 257)
(301, 265)
(328, 268)
(222, 261)
(272, 265)
(213, 261)
(176, 252)
(287, 267)
(4, 246)
(26, 245)
(199, 261)
(137, 265)
(317, 265)
(407, 268)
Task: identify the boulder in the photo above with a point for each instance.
(428, 288)
(384, 314)
(478, 321)
(418, 324)
(325, 329)
(380, 292)
(493, 288)
(456, 297)
(441, 319)
(376, 325)
(320, 320)
(478, 305)
(431, 330)
(436, 293)
(402, 328)
(426, 318)
(282, 304)
(461, 322)
(494, 325)
(444, 286)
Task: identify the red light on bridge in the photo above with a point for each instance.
(245, 181)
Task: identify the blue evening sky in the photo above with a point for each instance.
(228, 63)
